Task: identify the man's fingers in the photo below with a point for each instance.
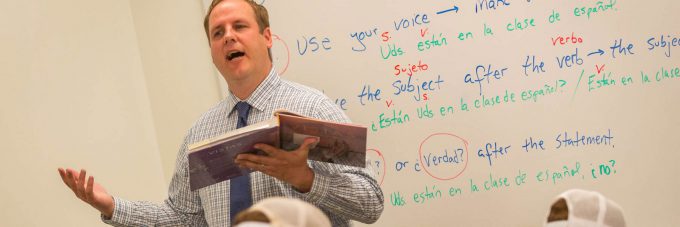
(74, 180)
(65, 178)
(80, 185)
(84, 189)
(270, 150)
(88, 189)
(250, 161)
(258, 163)
(71, 178)
(309, 141)
(247, 164)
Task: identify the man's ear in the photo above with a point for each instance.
(267, 33)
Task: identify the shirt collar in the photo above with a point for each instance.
(258, 99)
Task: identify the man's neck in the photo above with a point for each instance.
(242, 89)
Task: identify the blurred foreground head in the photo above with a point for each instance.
(282, 212)
(581, 208)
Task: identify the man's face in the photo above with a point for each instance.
(239, 50)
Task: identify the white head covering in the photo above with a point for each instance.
(287, 212)
(589, 208)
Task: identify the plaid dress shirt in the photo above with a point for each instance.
(341, 192)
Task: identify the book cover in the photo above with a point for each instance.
(212, 161)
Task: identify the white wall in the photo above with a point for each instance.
(181, 80)
(97, 85)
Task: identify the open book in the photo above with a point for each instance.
(212, 161)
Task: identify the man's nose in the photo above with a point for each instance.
(229, 36)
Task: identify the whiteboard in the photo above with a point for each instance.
(481, 112)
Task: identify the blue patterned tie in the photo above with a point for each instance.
(239, 190)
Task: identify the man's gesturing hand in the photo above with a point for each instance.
(288, 166)
(88, 191)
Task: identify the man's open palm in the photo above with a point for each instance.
(87, 190)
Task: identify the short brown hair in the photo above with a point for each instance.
(261, 15)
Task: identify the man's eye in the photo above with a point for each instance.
(217, 34)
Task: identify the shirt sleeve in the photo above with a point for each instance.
(181, 208)
(348, 191)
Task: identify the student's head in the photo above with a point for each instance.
(581, 208)
(240, 38)
(282, 212)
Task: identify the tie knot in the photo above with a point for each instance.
(242, 108)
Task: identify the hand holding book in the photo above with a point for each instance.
(287, 166)
(212, 161)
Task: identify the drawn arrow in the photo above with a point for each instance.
(599, 51)
(455, 8)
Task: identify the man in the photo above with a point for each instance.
(240, 39)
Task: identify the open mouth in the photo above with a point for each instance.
(234, 55)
